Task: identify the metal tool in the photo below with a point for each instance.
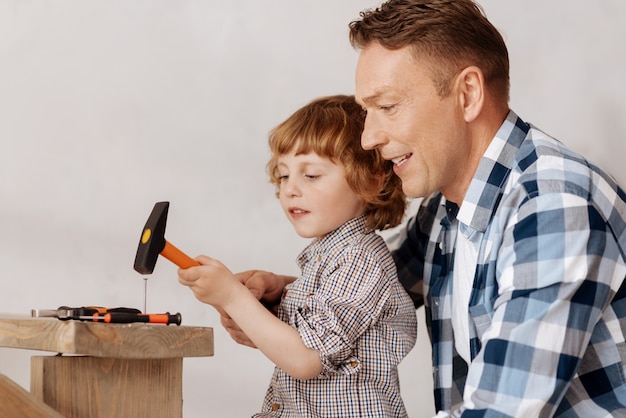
(108, 315)
(145, 295)
(153, 242)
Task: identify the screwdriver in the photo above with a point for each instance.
(107, 315)
(126, 318)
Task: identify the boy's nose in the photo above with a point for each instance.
(290, 188)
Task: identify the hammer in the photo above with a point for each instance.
(153, 242)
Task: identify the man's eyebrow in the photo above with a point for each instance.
(375, 96)
(368, 100)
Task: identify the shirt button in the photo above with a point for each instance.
(275, 407)
(354, 363)
(319, 258)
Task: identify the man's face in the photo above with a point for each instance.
(407, 120)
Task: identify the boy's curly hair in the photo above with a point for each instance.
(331, 127)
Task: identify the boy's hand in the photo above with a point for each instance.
(211, 282)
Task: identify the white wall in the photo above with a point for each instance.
(108, 106)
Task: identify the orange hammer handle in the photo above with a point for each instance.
(178, 257)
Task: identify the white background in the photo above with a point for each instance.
(108, 106)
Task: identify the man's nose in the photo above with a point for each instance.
(372, 137)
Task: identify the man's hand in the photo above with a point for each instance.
(233, 329)
(265, 286)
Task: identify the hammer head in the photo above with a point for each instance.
(152, 239)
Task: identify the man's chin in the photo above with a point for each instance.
(413, 191)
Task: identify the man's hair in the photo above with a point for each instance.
(451, 34)
(331, 127)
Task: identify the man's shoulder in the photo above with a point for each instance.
(546, 166)
(545, 160)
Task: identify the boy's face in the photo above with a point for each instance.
(315, 195)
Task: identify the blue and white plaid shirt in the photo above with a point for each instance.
(349, 306)
(547, 309)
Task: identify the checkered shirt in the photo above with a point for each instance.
(547, 311)
(350, 307)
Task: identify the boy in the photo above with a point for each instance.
(344, 325)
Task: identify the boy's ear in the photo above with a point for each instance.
(471, 89)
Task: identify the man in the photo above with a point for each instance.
(517, 251)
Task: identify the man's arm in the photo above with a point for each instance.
(408, 248)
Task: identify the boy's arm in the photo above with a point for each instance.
(280, 342)
(214, 284)
(265, 286)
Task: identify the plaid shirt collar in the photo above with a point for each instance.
(333, 241)
(485, 190)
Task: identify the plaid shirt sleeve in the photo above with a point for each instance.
(353, 293)
(559, 267)
(554, 344)
(548, 303)
(412, 248)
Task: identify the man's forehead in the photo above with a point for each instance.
(382, 73)
(374, 74)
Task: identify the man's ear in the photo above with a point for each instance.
(471, 84)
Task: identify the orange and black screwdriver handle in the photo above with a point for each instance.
(127, 318)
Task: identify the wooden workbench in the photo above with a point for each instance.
(107, 370)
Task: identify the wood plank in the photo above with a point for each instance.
(17, 402)
(141, 341)
(80, 387)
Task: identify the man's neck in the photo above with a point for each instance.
(482, 131)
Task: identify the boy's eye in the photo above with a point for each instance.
(283, 178)
(311, 176)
